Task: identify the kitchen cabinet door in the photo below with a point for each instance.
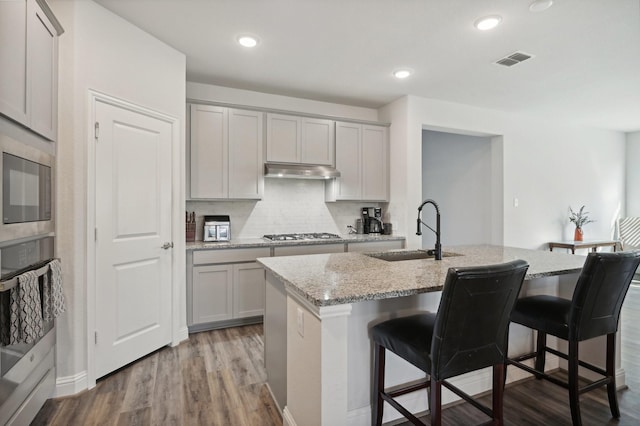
(13, 60)
(283, 138)
(29, 64)
(226, 153)
(245, 168)
(348, 162)
(43, 69)
(362, 158)
(300, 140)
(375, 163)
(318, 141)
(248, 286)
(209, 152)
(212, 293)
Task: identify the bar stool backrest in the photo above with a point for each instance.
(472, 324)
(599, 293)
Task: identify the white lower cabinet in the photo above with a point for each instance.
(212, 293)
(248, 286)
(225, 287)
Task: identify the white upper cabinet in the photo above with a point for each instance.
(43, 60)
(13, 60)
(226, 153)
(362, 158)
(318, 141)
(300, 140)
(246, 179)
(283, 138)
(209, 152)
(29, 63)
(375, 163)
(348, 161)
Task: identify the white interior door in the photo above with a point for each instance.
(133, 222)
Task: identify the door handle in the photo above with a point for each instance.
(167, 246)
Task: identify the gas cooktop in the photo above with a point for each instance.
(301, 236)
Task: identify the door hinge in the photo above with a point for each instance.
(95, 335)
(96, 130)
(95, 234)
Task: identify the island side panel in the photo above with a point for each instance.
(275, 339)
(316, 364)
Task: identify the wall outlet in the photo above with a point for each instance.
(300, 322)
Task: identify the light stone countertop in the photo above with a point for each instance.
(261, 242)
(340, 278)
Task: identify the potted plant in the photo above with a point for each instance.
(579, 219)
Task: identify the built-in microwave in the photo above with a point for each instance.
(26, 190)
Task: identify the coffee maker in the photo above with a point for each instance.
(372, 224)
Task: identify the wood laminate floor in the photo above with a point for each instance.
(217, 378)
(214, 378)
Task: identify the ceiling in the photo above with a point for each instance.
(585, 67)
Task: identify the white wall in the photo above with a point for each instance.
(456, 173)
(547, 166)
(211, 93)
(633, 174)
(102, 52)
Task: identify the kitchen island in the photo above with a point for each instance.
(320, 308)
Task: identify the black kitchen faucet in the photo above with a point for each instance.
(438, 249)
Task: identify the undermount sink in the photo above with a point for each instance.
(395, 256)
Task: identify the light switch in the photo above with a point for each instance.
(516, 202)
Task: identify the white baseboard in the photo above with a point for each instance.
(181, 336)
(70, 385)
(273, 398)
(287, 418)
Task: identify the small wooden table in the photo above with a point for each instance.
(593, 245)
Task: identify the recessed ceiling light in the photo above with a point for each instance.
(248, 41)
(402, 73)
(487, 22)
(540, 5)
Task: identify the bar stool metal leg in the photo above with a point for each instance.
(541, 352)
(499, 376)
(378, 384)
(436, 402)
(611, 372)
(574, 390)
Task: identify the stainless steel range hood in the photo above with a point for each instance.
(300, 171)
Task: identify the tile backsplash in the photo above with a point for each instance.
(288, 206)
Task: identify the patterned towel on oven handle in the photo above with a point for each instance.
(53, 303)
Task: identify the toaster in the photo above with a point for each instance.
(217, 228)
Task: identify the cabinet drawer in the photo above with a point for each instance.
(312, 249)
(228, 256)
(374, 246)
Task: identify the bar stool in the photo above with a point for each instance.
(594, 311)
(469, 332)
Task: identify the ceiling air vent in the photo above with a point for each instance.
(513, 59)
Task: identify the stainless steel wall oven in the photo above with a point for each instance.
(27, 368)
